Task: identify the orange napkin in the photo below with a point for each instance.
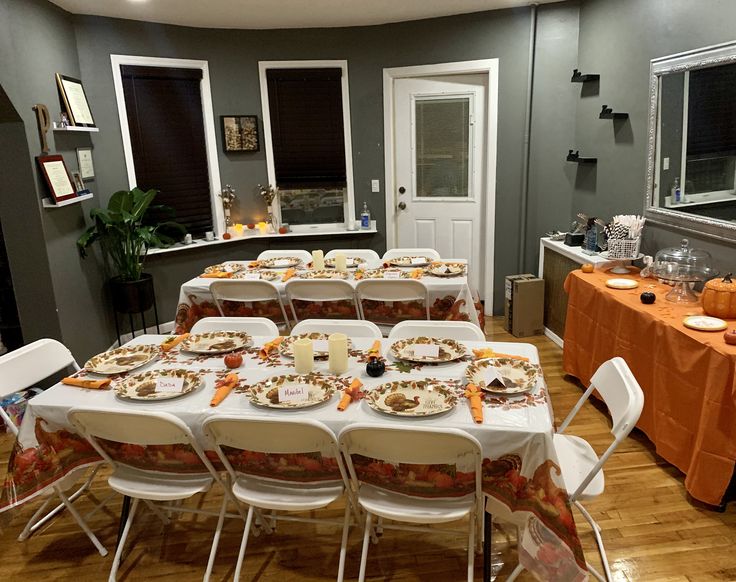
(174, 341)
(216, 275)
(254, 264)
(474, 394)
(483, 353)
(358, 275)
(375, 348)
(289, 274)
(92, 384)
(223, 388)
(351, 394)
(268, 347)
(416, 273)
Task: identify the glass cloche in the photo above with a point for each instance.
(681, 266)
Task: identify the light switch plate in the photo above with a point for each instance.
(665, 164)
(375, 185)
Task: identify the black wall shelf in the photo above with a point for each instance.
(578, 77)
(608, 113)
(575, 157)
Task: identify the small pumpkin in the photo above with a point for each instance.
(730, 337)
(587, 268)
(719, 298)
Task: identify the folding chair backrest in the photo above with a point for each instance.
(391, 290)
(305, 256)
(257, 326)
(32, 363)
(317, 290)
(244, 291)
(622, 394)
(407, 252)
(350, 327)
(457, 330)
(368, 255)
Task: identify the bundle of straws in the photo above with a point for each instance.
(625, 226)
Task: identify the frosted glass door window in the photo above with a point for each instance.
(442, 147)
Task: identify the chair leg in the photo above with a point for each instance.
(121, 543)
(487, 546)
(33, 525)
(471, 545)
(244, 542)
(598, 540)
(366, 543)
(515, 574)
(80, 520)
(157, 512)
(216, 539)
(344, 543)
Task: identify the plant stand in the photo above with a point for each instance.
(133, 298)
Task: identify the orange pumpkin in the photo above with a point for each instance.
(719, 298)
(587, 268)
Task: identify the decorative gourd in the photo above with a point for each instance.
(587, 268)
(719, 298)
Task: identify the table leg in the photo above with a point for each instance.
(487, 529)
(124, 511)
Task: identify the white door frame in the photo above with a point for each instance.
(484, 66)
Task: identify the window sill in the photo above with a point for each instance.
(198, 244)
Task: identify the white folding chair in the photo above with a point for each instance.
(305, 256)
(457, 330)
(247, 292)
(369, 256)
(21, 369)
(317, 292)
(391, 290)
(257, 326)
(581, 467)
(146, 428)
(350, 327)
(393, 253)
(287, 437)
(421, 446)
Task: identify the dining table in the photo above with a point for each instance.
(521, 480)
(450, 298)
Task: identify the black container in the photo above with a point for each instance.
(574, 239)
(132, 296)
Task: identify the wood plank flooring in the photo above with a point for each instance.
(652, 530)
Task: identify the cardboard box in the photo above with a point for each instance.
(524, 305)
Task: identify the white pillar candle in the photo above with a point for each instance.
(338, 350)
(303, 356)
(318, 260)
(341, 263)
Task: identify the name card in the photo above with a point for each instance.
(251, 276)
(168, 384)
(281, 263)
(391, 274)
(492, 377)
(426, 350)
(293, 393)
(418, 260)
(320, 345)
(349, 261)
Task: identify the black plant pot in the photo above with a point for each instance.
(132, 296)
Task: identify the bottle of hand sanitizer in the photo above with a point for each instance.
(365, 217)
(675, 194)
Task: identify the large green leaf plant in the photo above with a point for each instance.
(125, 231)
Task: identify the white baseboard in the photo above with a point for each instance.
(554, 337)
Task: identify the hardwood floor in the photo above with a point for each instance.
(652, 530)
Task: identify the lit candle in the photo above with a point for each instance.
(262, 227)
(338, 353)
(238, 229)
(341, 263)
(303, 356)
(318, 260)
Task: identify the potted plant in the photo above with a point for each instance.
(126, 230)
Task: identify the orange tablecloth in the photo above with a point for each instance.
(688, 377)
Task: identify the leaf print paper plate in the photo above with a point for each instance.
(262, 274)
(350, 262)
(446, 269)
(409, 261)
(385, 274)
(216, 342)
(158, 385)
(225, 268)
(412, 398)
(319, 344)
(517, 376)
(428, 350)
(122, 359)
(280, 262)
(292, 391)
(323, 274)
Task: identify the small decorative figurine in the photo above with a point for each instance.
(269, 194)
(375, 367)
(228, 197)
(647, 298)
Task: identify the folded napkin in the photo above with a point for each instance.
(416, 273)
(92, 384)
(254, 264)
(474, 394)
(174, 341)
(358, 275)
(483, 353)
(216, 275)
(375, 349)
(351, 394)
(288, 275)
(224, 387)
(268, 347)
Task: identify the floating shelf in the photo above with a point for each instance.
(608, 113)
(76, 128)
(575, 157)
(578, 77)
(48, 203)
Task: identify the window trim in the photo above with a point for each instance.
(349, 204)
(210, 137)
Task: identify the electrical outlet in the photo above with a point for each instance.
(375, 185)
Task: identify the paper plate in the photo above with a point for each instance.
(225, 268)
(281, 262)
(318, 389)
(416, 398)
(518, 376)
(323, 274)
(704, 323)
(622, 284)
(216, 342)
(261, 274)
(143, 386)
(449, 350)
(409, 261)
(286, 347)
(350, 262)
(122, 359)
(447, 269)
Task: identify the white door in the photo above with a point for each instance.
(440, 149)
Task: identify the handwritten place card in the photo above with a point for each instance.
(320, 345)
(391, 274)
(251, 276)
(349, 261)
(293, 393)
(281, 263)
(168, 384)
(418, 260)
(492, 377)
(426, 350)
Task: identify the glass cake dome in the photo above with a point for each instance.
(681, 266)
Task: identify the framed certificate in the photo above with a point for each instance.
(74, 101)
(86, 167)
(57, 177)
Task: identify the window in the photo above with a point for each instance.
(167, 125)
(307, 136)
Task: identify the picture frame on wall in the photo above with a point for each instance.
(57, 177)
(86, 165)
(74, 101)
(240, 133)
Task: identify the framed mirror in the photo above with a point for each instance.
(691, 154)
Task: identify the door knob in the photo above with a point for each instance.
(402, 205)
(402, 190)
